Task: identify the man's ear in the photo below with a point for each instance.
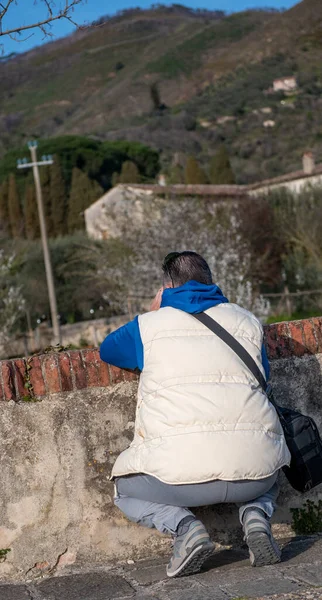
(167, 285)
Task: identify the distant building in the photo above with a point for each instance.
(269, 123)
(310, 174)
(285, 84)
(108, 216)
(226, 119)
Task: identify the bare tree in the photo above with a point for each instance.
(133, 269)
(54, 12)
(11, 300)
(299, 218)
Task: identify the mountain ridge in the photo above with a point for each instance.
(98, 82)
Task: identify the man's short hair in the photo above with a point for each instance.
(180, 267)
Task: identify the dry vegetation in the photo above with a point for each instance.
(98, 82)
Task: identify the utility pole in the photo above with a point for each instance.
(34, 164)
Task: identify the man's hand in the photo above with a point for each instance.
(156, 302)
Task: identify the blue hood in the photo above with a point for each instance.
(193, 297)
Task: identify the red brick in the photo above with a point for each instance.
(297, 335)
(317, 324)
(20, 372)
(36, 376)
(51, 373)
(64, 366)
(309, 336)
(78, 370)
(91, 358)
(130, 375)
(285, 342)
(1, 387)
(116, 374)
(8, 380)
(270, 340)
(104, 374)
(278, 341)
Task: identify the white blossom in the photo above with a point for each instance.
(11, 299)
(176, 225)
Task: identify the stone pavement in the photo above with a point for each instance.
(227, 575)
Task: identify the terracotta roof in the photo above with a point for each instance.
(193, 190)
(215, 191)
(225, 190)
(285, 178)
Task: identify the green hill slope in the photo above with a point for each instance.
(98, 82)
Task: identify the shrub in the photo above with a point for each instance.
(307, 520)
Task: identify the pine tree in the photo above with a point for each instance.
(15, 212)
(115, 179)
(46, 199)
(83, 193)
(155, 96)
(193, 173)
(220, 171)
(176, 175)
(75, 218)
(58, 199)
(158, 105)
(4, 208)
(31, 213)
(129, 173)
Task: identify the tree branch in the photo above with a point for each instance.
(4, 10)
(47, 2)
(62, 14)
(14, 39)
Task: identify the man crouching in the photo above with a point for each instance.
(205, 431)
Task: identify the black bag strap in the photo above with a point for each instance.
(223, 334)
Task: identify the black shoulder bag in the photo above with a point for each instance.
(301, 433)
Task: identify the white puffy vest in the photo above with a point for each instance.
(201, 415)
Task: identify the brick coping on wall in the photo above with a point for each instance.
(37, 376)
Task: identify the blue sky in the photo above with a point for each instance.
(25, 10)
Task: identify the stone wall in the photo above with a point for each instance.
(60, 435)
(90, 332)
(109, 215)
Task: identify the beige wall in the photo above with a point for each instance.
(55, 460)
(105, 218)
(93, 332)
(295, 186)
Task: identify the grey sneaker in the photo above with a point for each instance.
(263, 549)
(190, 551)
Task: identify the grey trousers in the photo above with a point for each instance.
(151, 503)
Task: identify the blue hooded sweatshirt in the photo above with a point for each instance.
(123, 347)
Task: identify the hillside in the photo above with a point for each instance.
(206, 66)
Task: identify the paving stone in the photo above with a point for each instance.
(189, 590)
(14, 592)
(228, 560)
(310, 574)
(306, 595)
(219, 577)
(263, 587)
(146, 576)
(92, 586)
(145, 595)
(300, 551)
(145, 563)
